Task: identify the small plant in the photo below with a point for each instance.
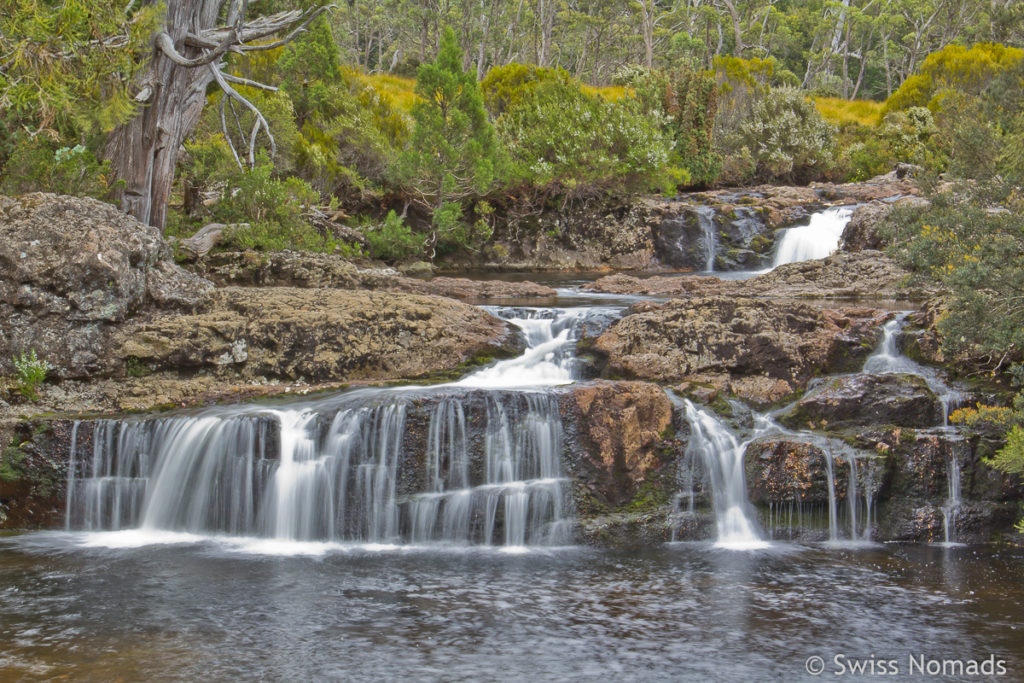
(31, 372)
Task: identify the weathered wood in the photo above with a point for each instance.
(143, 152)
(207, 237)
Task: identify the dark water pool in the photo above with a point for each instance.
(71, 605)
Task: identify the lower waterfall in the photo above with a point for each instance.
(722, 453)
(475, 462)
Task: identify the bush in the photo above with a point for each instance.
(393, 240)
(505, 86)
(30, 373)
(685, 102)
(954, 68)
(39, 165)
(784, 138)
(563, 142)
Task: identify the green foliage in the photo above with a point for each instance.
(394, 240)
(954, 68)
(272, 207)
(566, 143)
(30, 372)
(783, 139)
(308, 68)
(452, 152)
(69, 68)
(39, 165)
(685, 102)
(971, 241)
(505, 86)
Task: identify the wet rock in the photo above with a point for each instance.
(741, 236)
(588, 237)
(616, 437)
(71, 270)
(648, 529)
(783, 470)
(867, 399)
(757, 349)
(315, 335)
(866, 274)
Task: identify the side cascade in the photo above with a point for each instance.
(350, 468)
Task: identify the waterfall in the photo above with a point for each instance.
(722, 456)
(348, 472)
(472, 462)
(953, 502)
(705, 217)
(833, 516)
(819, 238)
(888, 359)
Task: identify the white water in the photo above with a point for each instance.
(722, 455)
(888, 359)
(953, 502)
(705, 216)
(347, 469)
(549, 360)
(816, 240)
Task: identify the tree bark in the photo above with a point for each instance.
(186, 58)
(143, 152)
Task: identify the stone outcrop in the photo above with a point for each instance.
(862, 232)
(314, 335)
(865, 274)
(865, 399)
(756, 349)
(618, 431)
(73, 270)
(298, 269)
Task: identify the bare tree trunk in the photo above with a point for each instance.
(187, 56)
(143, 152)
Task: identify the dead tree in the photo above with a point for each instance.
(187, 56)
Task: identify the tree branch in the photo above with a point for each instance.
(166, 45)
(261, 122)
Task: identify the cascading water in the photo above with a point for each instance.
(953, 502)
(705, 217)
(888, 359)
(353, 467)
(722, 456)
(819, 238)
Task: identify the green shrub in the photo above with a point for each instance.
(505, 86)
(39, 165)
(563, 142)
(954, 69)
(784, 139)
(684, 101)
(30, 372)
(394, 240)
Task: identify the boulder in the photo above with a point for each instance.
(617, 430)
(757, 349)
(862, 232)
(314, 335)
(71, 270)
(742, 238)
(867, 399)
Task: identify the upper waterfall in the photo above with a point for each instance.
(819, 238)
